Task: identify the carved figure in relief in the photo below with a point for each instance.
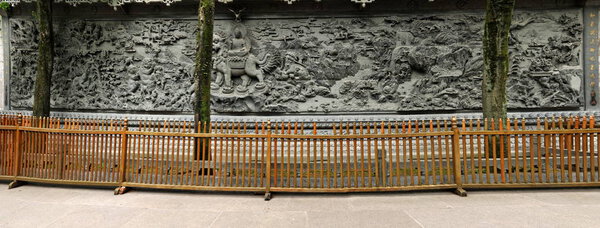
(239, 62)
(219, 62)
(294, 68)
(404, 63)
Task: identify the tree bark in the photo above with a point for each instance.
(202, 73)
(498, 19)
(45, 60)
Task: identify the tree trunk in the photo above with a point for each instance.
(202, 74)
(45, 60)
(498, 19)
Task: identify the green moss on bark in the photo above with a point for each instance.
(498, 19)
(45, 60)
(203, 69)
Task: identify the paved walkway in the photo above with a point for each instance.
(45, 206)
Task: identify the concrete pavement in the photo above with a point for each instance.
(50, 206)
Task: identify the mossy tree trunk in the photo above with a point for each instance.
(202, 73)
(498, 20)
(45, 60)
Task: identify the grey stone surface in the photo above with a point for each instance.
(2, 72)
(590, 56)
(321, 120)
(305, 65)
(44, 206)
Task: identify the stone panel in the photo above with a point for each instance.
(309, 65)
(2, 74)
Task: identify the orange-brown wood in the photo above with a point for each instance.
(592, 143)
(440, 154)
(156, 153)
(285, 154)
(113, 153)
(486, 152)
(245, 168)
(561, 152)
(335, 160)
(410, 156)
(577, 143)
(276, 157)
(517, 152)
(215, 157)
(145, 155)
(597, 149)
(448, 139)
(235, 155)
(425, 156)
(17, 152)
(508, 151)
(123, 153)
(473, 144)
(554, 152)
(315, 153)
(223, 166)
(376, 154)
(546, 152)
(584, 150)
(502, 152)
(463, 138)
(456, 154)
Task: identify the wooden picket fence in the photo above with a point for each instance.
(301, 157)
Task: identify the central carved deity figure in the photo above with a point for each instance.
(237, 61)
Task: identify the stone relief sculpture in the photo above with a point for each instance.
(375, 64)
(238, 61)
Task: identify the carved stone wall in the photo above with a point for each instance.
(2, 74)
(374, 64)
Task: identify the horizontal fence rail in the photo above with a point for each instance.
(301, 157)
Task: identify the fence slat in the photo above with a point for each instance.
(284, 156)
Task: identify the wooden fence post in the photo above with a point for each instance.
(268, 165)
(456, 159)
(17, 155)
(123, 161)
(63, 150)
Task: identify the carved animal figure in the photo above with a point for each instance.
(238, 62)
(245, 68)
